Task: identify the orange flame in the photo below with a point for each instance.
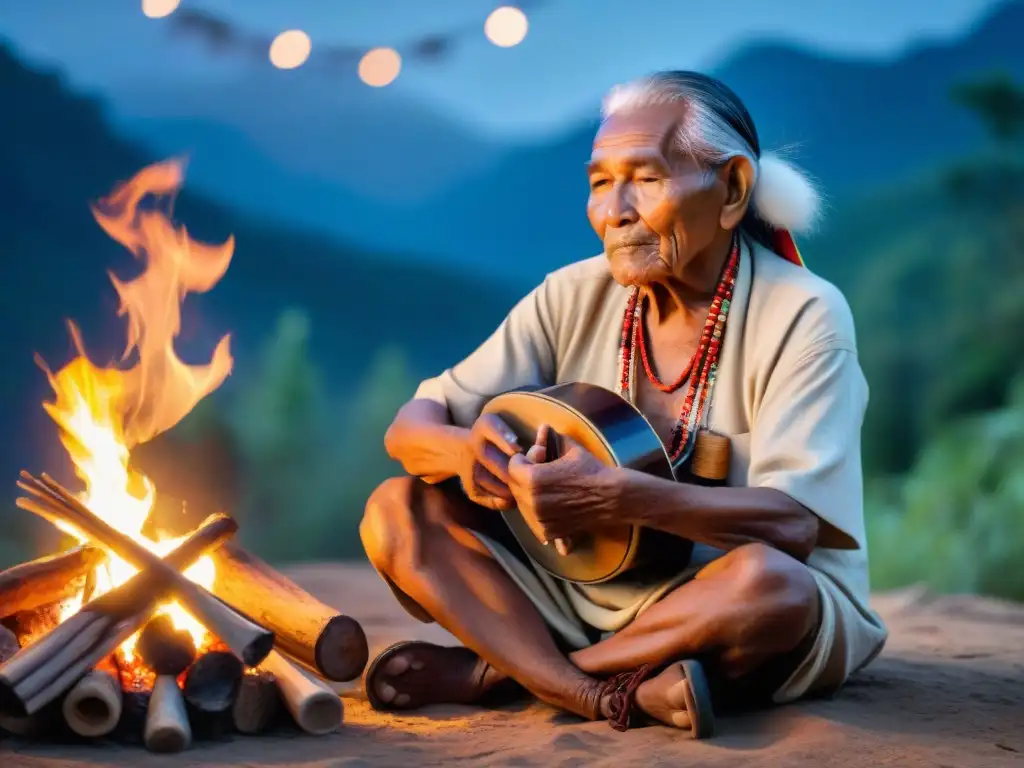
(104, 412)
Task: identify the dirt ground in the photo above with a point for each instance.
(947, 692)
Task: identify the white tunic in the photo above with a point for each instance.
(790, 394)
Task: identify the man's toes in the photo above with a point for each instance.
(402, 700)
(675, 696)
(386, 692)
(662, 698)
(397, 665)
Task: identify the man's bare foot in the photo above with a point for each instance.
(415, 674)
(679, 697)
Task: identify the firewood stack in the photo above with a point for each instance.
(275, 644)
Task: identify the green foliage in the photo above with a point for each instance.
(957, 520)
(310, 459)
(998, 102)
(945, 404)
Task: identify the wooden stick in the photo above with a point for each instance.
(46, 724)
(316, 635)
(167, 727)
(168, 652)
(32, 585)
(258, 703)
(44, 670)
(315, 708)
(93, 706)
(245, 638)
(211, 685)
(18, 726)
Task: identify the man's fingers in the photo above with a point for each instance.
(487, 483)
(493, 502)
(494, 461)
(536, 454)
(498, 433)
(543, 433)
(518, 465)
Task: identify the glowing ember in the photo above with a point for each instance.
(104, 412)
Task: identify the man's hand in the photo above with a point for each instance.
(484, 467)
(571, 494)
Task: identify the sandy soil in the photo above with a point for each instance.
(948, 691)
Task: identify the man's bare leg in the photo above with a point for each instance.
(415, 534)
(749, 606)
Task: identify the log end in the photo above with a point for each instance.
(341, 650)
(212, 683)
(321, 714)
(93, 706)
(167, 651)
(258, 704)
(258, 649)
(11, 704)
(167, 740)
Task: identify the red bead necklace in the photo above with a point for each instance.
(703, 366)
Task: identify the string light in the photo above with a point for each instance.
(380, 67)
(157, 9)
(290, 49)
(506, 26)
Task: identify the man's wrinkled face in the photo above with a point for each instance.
(652, 206)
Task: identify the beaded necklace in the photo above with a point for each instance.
(702, 369)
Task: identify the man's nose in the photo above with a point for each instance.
(620, 211)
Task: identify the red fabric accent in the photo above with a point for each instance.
(785, 246)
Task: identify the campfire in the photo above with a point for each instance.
(155, 631)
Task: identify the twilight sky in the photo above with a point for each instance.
(575, 49)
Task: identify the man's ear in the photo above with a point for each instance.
(738, 176)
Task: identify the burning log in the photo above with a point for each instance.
(317, 636)
(315, 708)
(29, 626)
(8, 644)
(211, 685)
(32, 585)
(246, 639)
(41, 672)
(93, 706)
(258, 704)
(168, 652)
(130, 729)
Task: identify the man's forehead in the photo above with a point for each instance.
(641, 132)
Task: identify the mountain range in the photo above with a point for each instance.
(388, 173)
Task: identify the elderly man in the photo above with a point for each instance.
(698, 274)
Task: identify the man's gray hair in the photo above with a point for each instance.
(716, 127)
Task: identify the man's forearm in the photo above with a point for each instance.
(424, 441)
(725, 518)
